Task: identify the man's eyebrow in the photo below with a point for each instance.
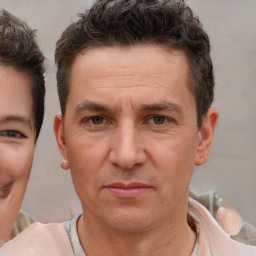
(91, 106)
(15, 119)
(167, 106)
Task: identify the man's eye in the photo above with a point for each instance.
(97, 120)
(11, 133)
(158, 120)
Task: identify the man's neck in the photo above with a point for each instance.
(171, 239)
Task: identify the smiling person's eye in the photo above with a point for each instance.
(2, 193)
(11, 134)
(5, 190)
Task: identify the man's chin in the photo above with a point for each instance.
(128, 220)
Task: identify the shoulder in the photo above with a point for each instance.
(39, 239)
(212, 239)
(22, 221)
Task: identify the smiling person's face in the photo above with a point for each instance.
(130, 135)
(17, 143)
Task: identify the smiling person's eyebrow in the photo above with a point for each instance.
(15, 119)
(162, 106)
(91, 106)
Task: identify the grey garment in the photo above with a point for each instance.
(196, 248)
(71, 229)
(194, 223)
(246, 235)
(210, 200)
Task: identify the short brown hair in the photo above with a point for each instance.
(170, 23)
(18, 48)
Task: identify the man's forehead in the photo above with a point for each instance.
(144, 72)
(126, 58)
(117, 65)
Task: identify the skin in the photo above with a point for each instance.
(131, 118)
(229, 219)
(17, 142)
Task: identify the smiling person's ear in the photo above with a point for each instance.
(206, 135)
(60, 138)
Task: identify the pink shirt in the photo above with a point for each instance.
(52, 239)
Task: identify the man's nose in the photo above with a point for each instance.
(127, 150)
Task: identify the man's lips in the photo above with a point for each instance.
(129, 190)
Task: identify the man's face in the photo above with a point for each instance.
(130, 135)
(17, 142)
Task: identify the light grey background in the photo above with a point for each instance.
(231, 171)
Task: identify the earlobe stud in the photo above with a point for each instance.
(203, 159)
(64, 164)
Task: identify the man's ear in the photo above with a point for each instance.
(60, 138)
(206, 135)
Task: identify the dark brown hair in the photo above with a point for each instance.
(18, 48)
(169, 23)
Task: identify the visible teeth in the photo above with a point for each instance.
(2, 193)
